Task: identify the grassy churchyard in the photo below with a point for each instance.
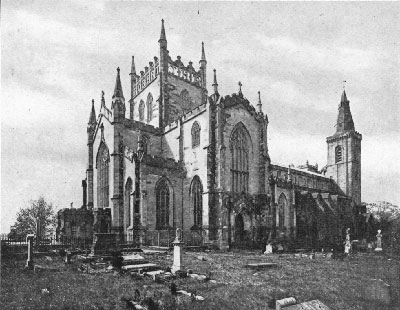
(339, 284)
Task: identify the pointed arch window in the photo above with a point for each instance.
(338, 154)
(162, 205)
(240, 146)
(186, 101)
(145, 143)
(102, 165)
(282, 206)
(196, 194)
(149, 107)
(195, 134)
(141, 111)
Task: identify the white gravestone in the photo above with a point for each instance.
(268, 249)
(347, 243)
(29, 261)
(378, 241)
(177, 265)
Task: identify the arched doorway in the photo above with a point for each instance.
(239, 228)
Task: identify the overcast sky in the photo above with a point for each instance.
(57, 56)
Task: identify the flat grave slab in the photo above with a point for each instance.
(308, 305)
(140, 267)
(261, 265)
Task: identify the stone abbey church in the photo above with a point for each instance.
(180, 154)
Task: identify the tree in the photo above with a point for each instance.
(38, 218)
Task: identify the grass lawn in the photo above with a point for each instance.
(338, 284)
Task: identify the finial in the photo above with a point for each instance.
(215, 84)
(92, 102)
(259, 105)
(344, 84)
(240, 89)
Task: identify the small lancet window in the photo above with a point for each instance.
(141, 111)
(149, 107)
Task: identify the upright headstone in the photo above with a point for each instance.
(347, 242)
(378, 241)
(177, 265)
(268, 249)
(29, 261)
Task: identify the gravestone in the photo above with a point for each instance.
(377, 290)
(268, 249)
(378, 241)
(29, 261)
(308, 305)
(177, 264)
(282, 303)
(347, 242)
(104, 244)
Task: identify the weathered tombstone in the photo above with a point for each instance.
(68, 256)
(282, 303)
(268, 249)
(378, 241)
(377, 290)
(309, 305)
(29, 261)
(177, 264)
(347, 242)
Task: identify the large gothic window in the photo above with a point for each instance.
(195, 134)
(282, 206)
(240, 146)
(162, 205)
(185, 99)
(338, 154)
(149, 107)
(196, 193)
(102, 165)
(141, 111)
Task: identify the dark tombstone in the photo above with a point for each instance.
(173, 289)
(137, 295)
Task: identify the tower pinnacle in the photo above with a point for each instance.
(92, 118)
(259, 104)
(215, 84)
(133, 69)
(163, 37)
(118, 87)
(203, 54)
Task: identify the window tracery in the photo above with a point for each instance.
(195, 134)
(240, 160)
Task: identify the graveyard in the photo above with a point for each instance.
(208, 279)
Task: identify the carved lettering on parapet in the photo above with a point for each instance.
(129, 153)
